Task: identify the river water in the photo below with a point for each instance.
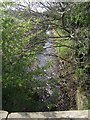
(48, 55)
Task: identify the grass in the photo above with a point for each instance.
(63, 51)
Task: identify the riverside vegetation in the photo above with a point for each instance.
(26, 84)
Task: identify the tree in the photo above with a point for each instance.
(24, 34)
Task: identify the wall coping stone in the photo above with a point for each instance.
(3, 114)
(83, 114)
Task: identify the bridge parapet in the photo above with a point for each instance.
(56, 115)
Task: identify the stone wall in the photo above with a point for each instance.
(57, 115)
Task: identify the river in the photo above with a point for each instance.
(49, 55)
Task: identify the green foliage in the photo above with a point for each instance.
(18, 82)
(77, 21)
(63, 50)
(21, 90)
(79, 16)
(22, 40)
